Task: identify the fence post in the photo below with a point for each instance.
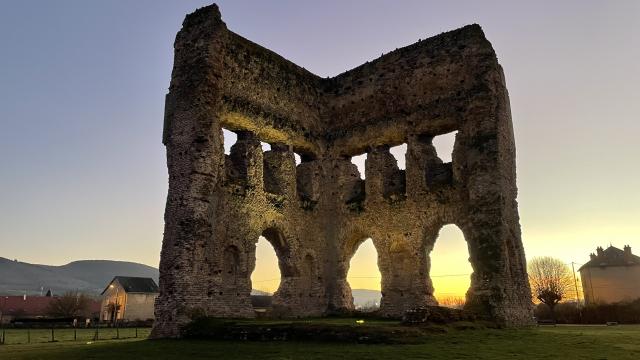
(75, 334)
(136, 332)
(52, 335)
(28, 335)
(117, 332)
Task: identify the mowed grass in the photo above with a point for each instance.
(23, 336)
(562, 342)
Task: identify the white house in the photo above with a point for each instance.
(133, 297)
(612, 275)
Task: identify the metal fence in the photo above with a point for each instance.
(56, 334)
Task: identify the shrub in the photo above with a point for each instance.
(569, 313)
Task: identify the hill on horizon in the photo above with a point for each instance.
(92, 276)
(87, 276)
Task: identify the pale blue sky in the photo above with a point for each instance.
(82, 84)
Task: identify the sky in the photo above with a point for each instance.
(82, 85)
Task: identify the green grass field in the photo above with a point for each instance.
(22, 336)
(562, 342)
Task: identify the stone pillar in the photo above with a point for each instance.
(420, 154)
(341, 189)
(349, 185)
(383, 178)
(429, 237)
(193, 139)
(308, 183)
(340, 298)
(405, 283)
(246, 159)
(280, 171)
(499, 286)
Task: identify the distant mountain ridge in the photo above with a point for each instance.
(92, 276)
(87, 276)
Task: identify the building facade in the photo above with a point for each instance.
(129, 298)
(612, 275)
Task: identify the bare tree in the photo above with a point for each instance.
(70, 304)
(113, 309)
(550, 280)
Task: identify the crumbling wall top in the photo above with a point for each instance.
(424, 87)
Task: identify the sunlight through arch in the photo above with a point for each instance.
(266, 276)
(364, 276)
(450, 266)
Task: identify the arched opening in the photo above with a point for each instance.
(450, 267)
(265, 278)
(272, 266)
(364, 277)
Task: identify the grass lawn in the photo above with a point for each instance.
(562, 342)
(23, 336)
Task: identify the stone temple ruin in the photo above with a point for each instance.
(315, 214)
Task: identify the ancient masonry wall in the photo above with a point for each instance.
(316, 214)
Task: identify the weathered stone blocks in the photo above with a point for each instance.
(316, 214)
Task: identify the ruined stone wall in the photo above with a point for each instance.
(316, 213)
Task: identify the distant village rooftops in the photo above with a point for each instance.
(27, 306)
(134, 284)
(612, 256)
(24, 305)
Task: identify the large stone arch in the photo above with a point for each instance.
(301, 291)
(430, 237)
(281, 243)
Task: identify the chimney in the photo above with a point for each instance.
(627, 253)
(592, 256)
(599, 250)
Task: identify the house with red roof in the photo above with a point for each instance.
(25, 306)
